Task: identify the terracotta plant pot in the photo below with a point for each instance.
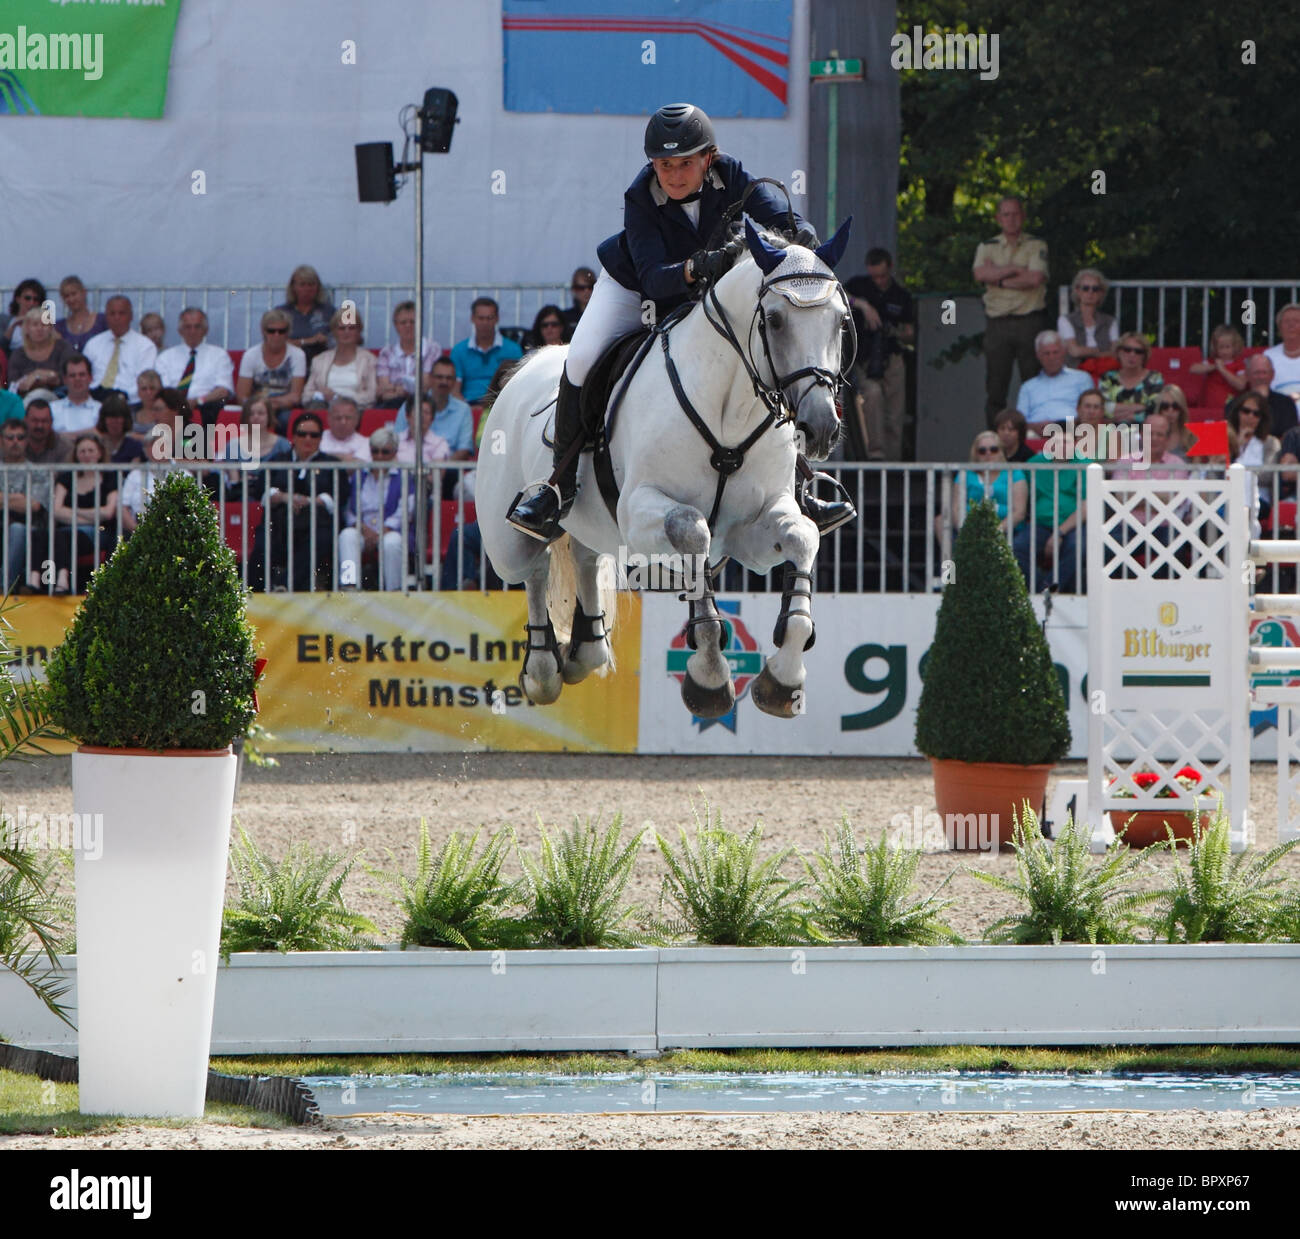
(991, 791)
(1147, 826)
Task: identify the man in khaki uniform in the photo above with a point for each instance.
(1013, 269)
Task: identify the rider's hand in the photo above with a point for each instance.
(712, 265)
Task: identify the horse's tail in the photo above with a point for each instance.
(562, 595)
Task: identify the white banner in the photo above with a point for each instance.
(864, 679)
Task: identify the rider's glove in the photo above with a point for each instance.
(711, 265)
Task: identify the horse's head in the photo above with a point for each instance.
(800, 330)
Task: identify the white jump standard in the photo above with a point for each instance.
(1171, 576)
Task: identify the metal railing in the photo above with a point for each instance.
(1182, 313)
(901, 542)
(234, 310)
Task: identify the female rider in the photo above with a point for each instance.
(669, 212)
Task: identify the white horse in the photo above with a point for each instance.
(758, 359)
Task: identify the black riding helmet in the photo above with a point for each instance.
(678, 129)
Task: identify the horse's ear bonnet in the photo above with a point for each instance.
(833, 250)
(767, 256)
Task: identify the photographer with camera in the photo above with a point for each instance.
(884, 317)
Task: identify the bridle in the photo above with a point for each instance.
(727, 460)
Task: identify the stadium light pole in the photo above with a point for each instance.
(434, 121)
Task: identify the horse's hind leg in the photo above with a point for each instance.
(656, 523)
(541, 677)
(589, 647)
(784, 534)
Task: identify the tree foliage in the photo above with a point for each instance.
(1196, 146)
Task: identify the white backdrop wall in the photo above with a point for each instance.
(260, 102)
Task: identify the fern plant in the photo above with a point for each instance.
(1069, 897)
(1218, 897)
(725, 896)
(864, 894)
(575, 884)
(457, 898)
(295, 904)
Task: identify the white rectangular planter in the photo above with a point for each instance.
(386, 1002)
(981, 995)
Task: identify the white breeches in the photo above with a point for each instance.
(613, 311)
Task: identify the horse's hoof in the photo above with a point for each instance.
(772, 697)
(708, 702)
(542, 696)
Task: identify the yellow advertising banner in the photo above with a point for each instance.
(374, 672)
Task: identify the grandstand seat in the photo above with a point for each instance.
(1034, 442)
(229, 417)
(235, 355)
(1283, 516)
(447, 516)
(241, 516)
(1175, 365)
(372, 419)
(1256, 348)
(1203, 413)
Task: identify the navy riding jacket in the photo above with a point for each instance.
(649, 255)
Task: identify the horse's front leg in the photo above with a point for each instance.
(589, 646)
(784, 535)
(658, 525)
(541, 677)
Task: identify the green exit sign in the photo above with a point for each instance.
(835, 68)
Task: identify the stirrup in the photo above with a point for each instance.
(827, 514)
(544, 531)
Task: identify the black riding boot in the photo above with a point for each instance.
(826, 514)
(540, 516)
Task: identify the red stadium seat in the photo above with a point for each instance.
(235, 355)
(1283, 516)
(229, 417)
(239, 517)
(1097, 366)
(1203, 413)
(1257, 348)
(372, 419)
(1175, 363)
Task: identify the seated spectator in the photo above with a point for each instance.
(347, 369)
(147, 387)
(153, 327)
(13, 407)
(1052, 394)
(114, 430)
(1131, 392)
(1159, 464)
(1173, 404)
(201, 372)
(38, 361)
(119, 354)
(29, 295)
(1049, 546)
(1007, 488)
(274, 370)
(1010, 428)
(257, 443)
(27, 501)
(164, 410)
(81, 322)
(92, 524)
(341, 439)
(1225, 366)
(548, 328)
(1249, 419)
(1086, 331)
(435, 446)
(309, 310)
(373, 518)
(299, 503)
(45, 446)
(1285, 355)
(395, 371)
(78, 410)
(584, 280)
(477, 357)
(453, 419)
(1282, 409)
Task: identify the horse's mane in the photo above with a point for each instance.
(500, 379)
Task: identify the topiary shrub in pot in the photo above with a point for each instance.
(155, 678)
(992, 717)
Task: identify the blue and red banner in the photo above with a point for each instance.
(729, 57)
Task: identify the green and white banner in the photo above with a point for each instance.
(85, 57)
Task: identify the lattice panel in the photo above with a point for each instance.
(1191, 515)
(1200, 740)
(1288, 775)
